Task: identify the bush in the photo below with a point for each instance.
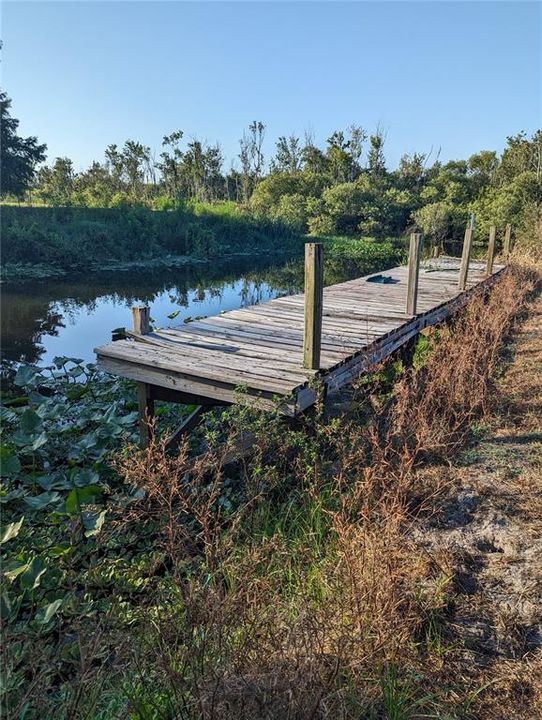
(72, 238)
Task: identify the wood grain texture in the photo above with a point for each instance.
(465, 259)
(314, 288)
(141, 320)
(507, 244)
(414, 256)
(491, 250)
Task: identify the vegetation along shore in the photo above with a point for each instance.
(135, 207)
(379, 559)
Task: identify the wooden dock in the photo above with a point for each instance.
(256, 355)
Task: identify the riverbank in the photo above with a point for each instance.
(43, 242)
(304, 573)
(70, 239)
(485, 533)
(23, 271)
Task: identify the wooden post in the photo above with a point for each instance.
(490, 250)
(465, 257)
(314, 292)
(146, 413)
(141, 326)
(414, 256)
(507, 246)
(141, 317)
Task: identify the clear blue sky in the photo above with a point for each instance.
(456, 75)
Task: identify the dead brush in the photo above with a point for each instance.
(292, 603)
(435, 406)
(267, 650)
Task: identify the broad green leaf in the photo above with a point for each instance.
(129, 419)
(45, 614)
(31, 578)
(20, 438)
(11, 531)
(9, 462)
(30, 421)
(7, 415)
(14, 572)
(86, 477)
(174, 314)
(80, 496)
(25, 374)
(53, 482)
(59, 550)
(93, 522)
(40, 441)
(6, 607)
(76, 371)
(38, 502)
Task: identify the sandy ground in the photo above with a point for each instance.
(486, 535)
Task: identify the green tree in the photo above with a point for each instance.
(136, 160)
(435, 220)
(481, 169)
(412, 172)
(251, 157)
(170, 166)
(56, 182)
(313, 160)
(201, 169)
(288, 155)
(93, 187)
(18, 156)
(115, 167)
(375, 159)
(338, 156)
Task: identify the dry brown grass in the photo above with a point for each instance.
(310, 597)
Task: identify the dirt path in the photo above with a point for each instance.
(487, 536)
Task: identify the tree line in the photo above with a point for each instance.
(342, 188)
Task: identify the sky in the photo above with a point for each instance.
(457, 77)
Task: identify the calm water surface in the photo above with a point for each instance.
(43, 319)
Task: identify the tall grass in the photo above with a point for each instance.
(286, 583)
(75, 238)
(298, 592)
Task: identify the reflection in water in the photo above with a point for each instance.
(71, 316)
(40, 320)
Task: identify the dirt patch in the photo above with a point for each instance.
(486, 536)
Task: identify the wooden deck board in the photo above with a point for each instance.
(260, 348)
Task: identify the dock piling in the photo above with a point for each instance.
(465, 257)
(491, 250)
(141, 326)
(414, 256)
(141, 320)
(314, 290)
(507, 245)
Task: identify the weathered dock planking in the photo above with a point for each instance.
(258, 354)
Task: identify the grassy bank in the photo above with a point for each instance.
(45, 242)
(68, 239)
(137, 585)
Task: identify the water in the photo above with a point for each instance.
(43, 319)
